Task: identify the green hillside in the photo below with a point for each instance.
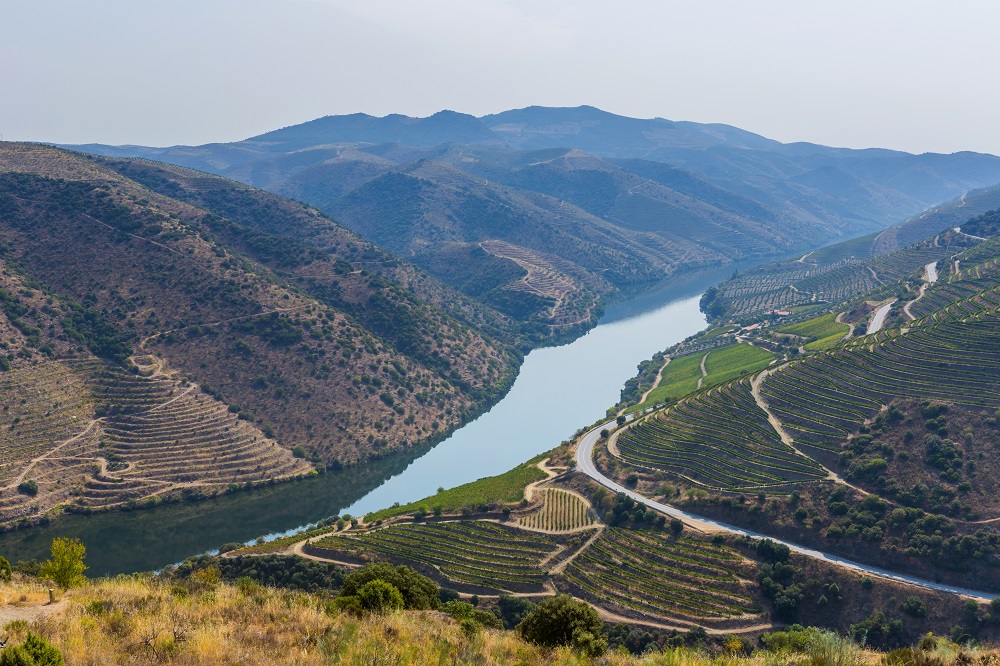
(881, 446)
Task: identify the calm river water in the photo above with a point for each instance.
(559, 390)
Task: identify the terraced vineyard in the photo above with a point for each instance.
(796, 283)
(475, 553)
(651, 575)
(821, 399)
(92, 436)
(561, 511)
(551, 279)
(722, 439)
(42, 409)
(717, 439)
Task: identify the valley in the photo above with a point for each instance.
(811, 443)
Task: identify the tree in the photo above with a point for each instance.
(5, 571)
(419, 592)
(380, 597)
(561, 620)
(34, 651)
(66, 567)
(513, 609)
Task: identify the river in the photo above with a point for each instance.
(558, 391)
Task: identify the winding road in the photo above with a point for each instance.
(585, 464)
(878, 321)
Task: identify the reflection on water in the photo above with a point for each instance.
(558, 390)
(150, 539)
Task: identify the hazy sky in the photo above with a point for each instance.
(906, 74)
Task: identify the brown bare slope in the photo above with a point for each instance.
(207, 356)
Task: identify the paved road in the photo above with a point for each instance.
(585, 464)
(878, 321)
(932, 274)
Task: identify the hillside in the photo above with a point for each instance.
(843, 271)
(159, 345)
(197, 619)
(517, 534)
(876, 447)
(585, 203)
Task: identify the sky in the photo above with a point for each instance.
(905, 74)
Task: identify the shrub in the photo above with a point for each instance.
(28, 487)
(379, 597)
(772, 551)
(914, 606)
(513, 609)
(5, 571)
(561, 620)
(34, 651)
(207, 577)
(462, 610)
(418, 592)
(66, 567)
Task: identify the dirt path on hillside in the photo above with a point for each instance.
(779, 427)
(840, 320)
(529, 490)
(656, 382)
(704, 372)
(49, 454)
(142, 343)
(30, 613)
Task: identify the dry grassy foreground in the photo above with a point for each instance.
(145, 620)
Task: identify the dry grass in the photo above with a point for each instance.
(148, 621)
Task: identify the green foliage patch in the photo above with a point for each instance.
(506, 487)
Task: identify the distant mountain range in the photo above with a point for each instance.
(541, 212)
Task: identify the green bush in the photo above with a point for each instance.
(34, 651)
(561, 620)
(914, 606)
(418, 592)
(28, 487)
(379, 597)
(5, 571)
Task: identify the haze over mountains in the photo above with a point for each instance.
(541, 212)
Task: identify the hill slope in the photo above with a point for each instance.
(590, 201)
(877, 446)
(183, 346)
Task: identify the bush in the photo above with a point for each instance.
(462, 610)
(34, 651)
(418, 592)
(513, 609)
(5, 571)
(914, 606)
(561, 620)
(379, 597)
(772, 551)
(28, 487)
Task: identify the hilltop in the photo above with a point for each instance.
(196, 336)
(545, 213)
